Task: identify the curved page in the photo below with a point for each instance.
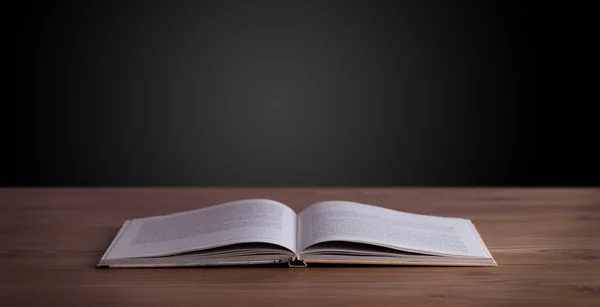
(360, 223)
(244, 221)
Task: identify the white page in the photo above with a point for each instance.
(244, 221)
(355, 222)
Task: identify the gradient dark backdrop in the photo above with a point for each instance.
(298, 94)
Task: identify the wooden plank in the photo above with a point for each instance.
(546, 242)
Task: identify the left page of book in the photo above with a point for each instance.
(243, 221)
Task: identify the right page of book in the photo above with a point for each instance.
(362, 223)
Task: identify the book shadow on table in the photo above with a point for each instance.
(283, 266)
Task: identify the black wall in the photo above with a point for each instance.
(291, 93)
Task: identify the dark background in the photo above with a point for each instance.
(296, 93)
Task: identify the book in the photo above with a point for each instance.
(265, 231)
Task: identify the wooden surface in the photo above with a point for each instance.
(546, 243)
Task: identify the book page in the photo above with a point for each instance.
(354, 222)
(244, 221)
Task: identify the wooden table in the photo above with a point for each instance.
(546, 243)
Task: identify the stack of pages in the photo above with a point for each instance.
(263, 231)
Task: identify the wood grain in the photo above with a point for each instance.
(546, 243)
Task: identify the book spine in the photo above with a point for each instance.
(297, 263)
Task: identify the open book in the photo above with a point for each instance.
(263, 231)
